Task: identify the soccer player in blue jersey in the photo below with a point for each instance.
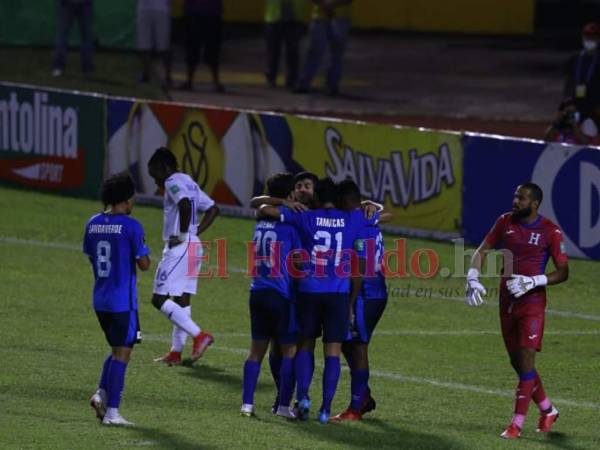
(272, 308)
(368, 307)
(114, 244)
(301, 200)
(323, 304)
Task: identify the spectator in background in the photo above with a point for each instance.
(583, 72)
(567, 127)
(203, 22)
(329, 27)
(154, 32)
(284, 19)
(68, 11)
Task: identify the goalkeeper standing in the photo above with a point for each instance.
(527, 239)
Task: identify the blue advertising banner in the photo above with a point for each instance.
(568, 175)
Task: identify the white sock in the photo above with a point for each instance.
(112, 412)
(179, 336)
(179, 317)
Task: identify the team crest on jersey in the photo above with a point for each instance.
(174, 189)
(563, 249)
(534, 238)
(359, 245)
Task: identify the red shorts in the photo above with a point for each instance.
(522, 325)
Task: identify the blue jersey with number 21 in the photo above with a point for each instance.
(113, 242)
(328, 236)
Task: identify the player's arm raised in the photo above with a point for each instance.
(256, 202)
(208, 218)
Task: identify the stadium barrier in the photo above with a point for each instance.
(417, 174)
(438, 184)
(569, 176)
(52, 140)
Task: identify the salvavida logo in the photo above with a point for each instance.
(38, 128)
(421, 179)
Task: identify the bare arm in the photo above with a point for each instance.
(255, 202)
(479, 256)
(560, 275)
(268, 211)
(208, 218)
(143, 263)
(185, 214)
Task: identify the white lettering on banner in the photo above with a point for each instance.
(534, 238)
(38, 128)
(422, 179)
(589, 179)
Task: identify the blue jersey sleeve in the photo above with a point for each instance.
(298, 220)
(138, 241)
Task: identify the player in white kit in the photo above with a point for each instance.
(175, 280)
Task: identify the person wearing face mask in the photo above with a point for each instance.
(583, 72)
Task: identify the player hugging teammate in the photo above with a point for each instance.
(321, 285)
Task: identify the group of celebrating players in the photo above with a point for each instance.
(317, 253)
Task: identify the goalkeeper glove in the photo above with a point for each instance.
(474, 290)
(519, 285)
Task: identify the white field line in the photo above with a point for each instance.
(444, 333)
(409, 379)
(68, 246)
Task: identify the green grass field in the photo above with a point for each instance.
(440, 374)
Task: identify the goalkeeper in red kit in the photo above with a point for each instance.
(527, 240)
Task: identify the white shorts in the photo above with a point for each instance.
(153, 30)
(177, 272)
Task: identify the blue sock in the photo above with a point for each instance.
(104, 374)
(304, 372)
(115, 382)
(251, 373)
(331, 376)
(359, 386)
(286, 383)
(275, 365)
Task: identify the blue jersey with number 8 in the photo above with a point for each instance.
(113, 242)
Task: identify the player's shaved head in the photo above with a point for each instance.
(161, 165)
(280, 185)
(348, 194)
(117, 189)
(163, 156)
(326, 191)
(535, 192)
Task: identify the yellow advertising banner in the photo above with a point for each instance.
(416, 174)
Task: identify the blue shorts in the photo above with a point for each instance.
(366, 316)
(327, 314)
(272, 316)
(122, 329)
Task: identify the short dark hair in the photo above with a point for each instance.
(326, 190)
(117, 189)
(280, 185)
(304, 175)
(535, 192)
(164, 156)
(348, 192)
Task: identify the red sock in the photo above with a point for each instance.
(539, 395)
(523, 394)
